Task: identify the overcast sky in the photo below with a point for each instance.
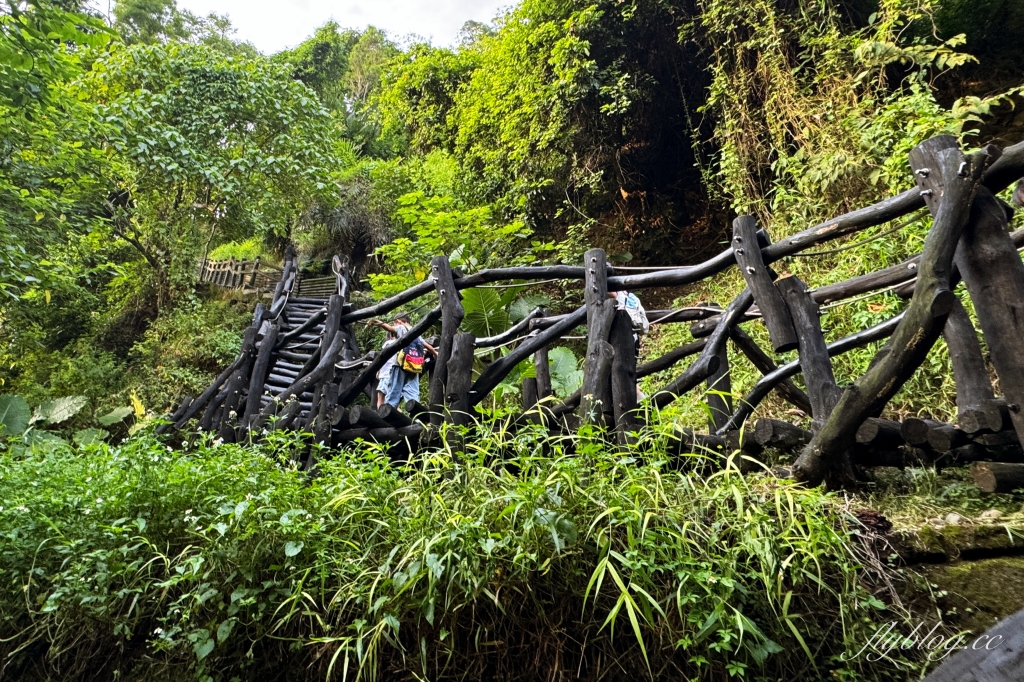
(273, 25)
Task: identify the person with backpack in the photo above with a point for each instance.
(400, 376)
(624, 300)
(638, 316)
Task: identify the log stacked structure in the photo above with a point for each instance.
(300, 365)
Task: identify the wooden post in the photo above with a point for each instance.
(759, 280)
(209, 418)
(542, 369)
(529, 393)
(994, 276)
(719, 392)
(451, 317)
(248, 344)
(599, 360)
(623, 377)
(946, 437)
(460, 379)
(952, 179)
(394, 417)
(779, 434)
(996, 477)
(915, 430)
(239, 380)
(322, 425)
(259, 374)
(880, 433)
(814, 360)
(976, 405)
(596, 396)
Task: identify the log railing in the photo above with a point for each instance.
(240, 274)
(968, 240)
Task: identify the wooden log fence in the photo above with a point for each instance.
(300, 363)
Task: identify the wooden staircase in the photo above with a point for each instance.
(294, 358)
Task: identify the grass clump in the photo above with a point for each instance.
(565, 559)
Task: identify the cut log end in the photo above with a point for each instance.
(996, 477)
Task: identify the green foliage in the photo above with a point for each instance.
(471, 238)
(250, 249)
(322, 62)
(209, 143)
(485, 311)
(40, 44)
(803, 106)
(50, 155)
(14, 414)
(114, 416)
(183, 350)
(566, 373)
(59, 409)
(208, 557)
(161, 21)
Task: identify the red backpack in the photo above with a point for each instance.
(411, 358)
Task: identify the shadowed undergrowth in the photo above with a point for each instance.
(563, 560)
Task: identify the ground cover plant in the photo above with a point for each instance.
(560, 557)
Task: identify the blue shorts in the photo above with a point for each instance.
(403, 385)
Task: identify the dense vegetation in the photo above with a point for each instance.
(228, 564)
(134, 145)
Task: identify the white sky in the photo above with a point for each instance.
(273, 25)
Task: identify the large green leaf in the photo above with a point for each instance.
(566, 375)
(14, 414)
(115, 416)
(485, 315)
(60, 409)
(90, 436)
(524, 305)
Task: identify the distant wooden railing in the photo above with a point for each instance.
(240, 274)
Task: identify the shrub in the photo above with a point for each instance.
(224, 562)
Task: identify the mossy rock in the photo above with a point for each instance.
(975, 595)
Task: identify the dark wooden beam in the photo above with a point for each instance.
(946, 175)
(623, 377)
(768, 299)
(993, 273)
(814, 360)
(786, 389)
(451, 317)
